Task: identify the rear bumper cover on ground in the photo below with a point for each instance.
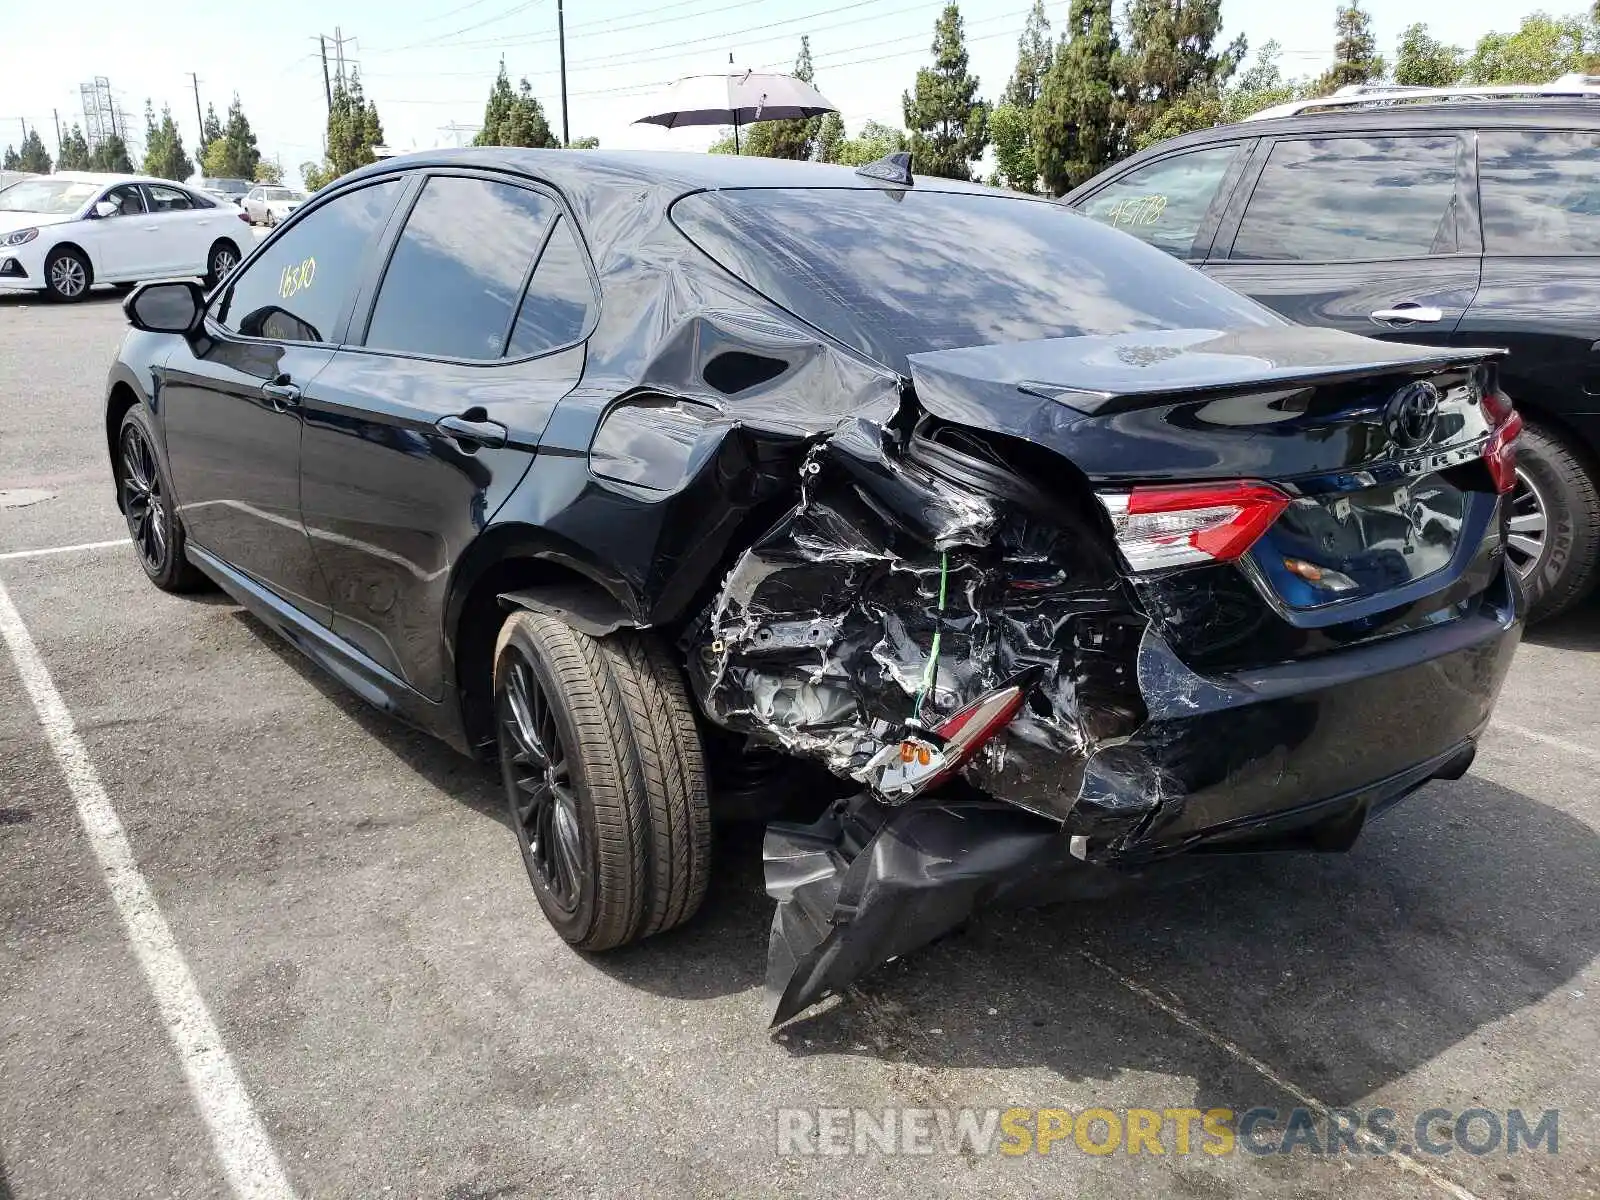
(1297, 758)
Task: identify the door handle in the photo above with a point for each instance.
(1407, 311)
(281, 392)
(472, 429)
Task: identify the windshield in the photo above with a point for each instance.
(896, 273)
(57, 197)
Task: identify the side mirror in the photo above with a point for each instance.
(166, 307)
(105, 208)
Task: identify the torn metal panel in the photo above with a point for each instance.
(891, 596)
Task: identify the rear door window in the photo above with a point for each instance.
(1165, 203)
(168, 199)
(560, 299)
(458, 269)
(1352, 199)
(1539, 191)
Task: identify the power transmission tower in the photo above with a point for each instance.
(99, 111)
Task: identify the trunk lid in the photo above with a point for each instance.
(1380, 510)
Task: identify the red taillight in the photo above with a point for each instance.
(1500, 453)
(1160, 527)
(919, 762)
(244, 216)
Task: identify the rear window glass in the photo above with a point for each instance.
(1352, 199)
(896, 273)
(1540, 192)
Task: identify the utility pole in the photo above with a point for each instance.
(199, 121)
(24, 121)
(57, 115)
(327, 87)
(561, 39)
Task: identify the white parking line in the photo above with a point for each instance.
(240, 1139)
(62, 549)
(1369, 1141)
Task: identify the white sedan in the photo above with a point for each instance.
(61, 234)
(268, 204)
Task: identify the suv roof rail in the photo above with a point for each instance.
(1368, 95)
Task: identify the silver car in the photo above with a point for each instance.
(267, 204)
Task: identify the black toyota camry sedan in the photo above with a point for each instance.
(1052, 552)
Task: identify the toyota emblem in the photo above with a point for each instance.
(1412, 414)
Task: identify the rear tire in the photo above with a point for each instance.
(1558, 562)
(604, 779)
(221, 261)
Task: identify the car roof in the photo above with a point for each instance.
(1414, 117)
(678, 169)
(106, 178)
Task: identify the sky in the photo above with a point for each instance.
(428, 64)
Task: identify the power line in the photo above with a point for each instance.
(435, 42)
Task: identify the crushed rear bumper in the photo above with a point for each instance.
(1297, 757)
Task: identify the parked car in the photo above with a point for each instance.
(230, 191)
(1048, 547)
(267, 204)
(1460, 216)
(61, 234)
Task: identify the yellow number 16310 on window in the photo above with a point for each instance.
(297, 278)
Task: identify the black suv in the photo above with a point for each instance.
(1452, 222)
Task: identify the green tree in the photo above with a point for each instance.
(830, 134)
(11, 161)
(874, 141)
(949, 125)
(513, 118)
(795, 138)
(1034, 55)
(1544, 48)
(584, 143)
(233, 155)
(1423, 61)
(1076, 124)
(33, 156)
(1258, 86)
(353, 130)
(268, 171)
(210, 131)
(1355, 51)
(1170, 55)
(1011, 132)
(1011, 121)
(163, 146)
(111, 155)
(74, 151)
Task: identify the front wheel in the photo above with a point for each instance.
(604, 780)
(146, 499)
(67, 275)
(1554, 540)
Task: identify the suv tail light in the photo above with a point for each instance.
(1160, 527)
(1500, 453)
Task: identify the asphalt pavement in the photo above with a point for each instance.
(349, 913)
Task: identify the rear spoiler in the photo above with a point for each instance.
(1104, 374)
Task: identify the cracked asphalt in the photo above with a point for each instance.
(353, 911)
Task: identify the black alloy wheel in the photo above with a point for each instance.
(143, 502)
(154, 527)
(539, 788)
